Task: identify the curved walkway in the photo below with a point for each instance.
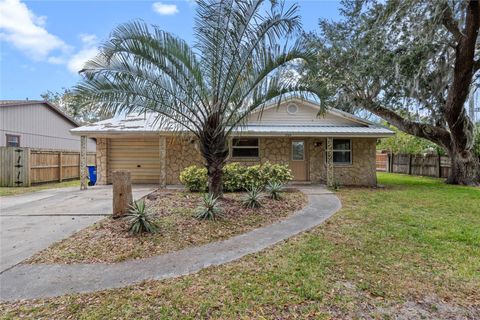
(48, 280)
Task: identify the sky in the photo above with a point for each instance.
(43, 44)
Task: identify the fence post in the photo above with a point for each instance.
(60, 164)
(393, 159)
(439, 166)
(409, 164)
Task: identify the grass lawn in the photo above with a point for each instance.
(174, 212)
(410, 249)
(10, 191)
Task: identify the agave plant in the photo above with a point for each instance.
(239, 62)
(274, 190)
(209, 209)
(140, 219)
(252, 200)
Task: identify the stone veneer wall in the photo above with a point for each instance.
(362, 171)
(182, 152)
(102, 150)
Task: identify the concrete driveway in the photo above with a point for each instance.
(31, 222)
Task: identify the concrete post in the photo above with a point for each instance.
(330, 173)
(83, 163)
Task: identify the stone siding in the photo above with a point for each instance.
(102, 160)
(182, 152)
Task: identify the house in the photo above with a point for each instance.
(38, 125)
(334, 148)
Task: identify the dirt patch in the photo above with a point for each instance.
(174, 211)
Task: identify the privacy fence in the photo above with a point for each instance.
(419, 165)
(22, 167)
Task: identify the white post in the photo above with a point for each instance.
(83, 163)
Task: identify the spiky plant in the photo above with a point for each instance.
(239, 62)
(253, 197)
(140, 219)
(209, 208)
(274, 190)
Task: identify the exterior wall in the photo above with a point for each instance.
(182, 152)
(102, 160)
(39, 127)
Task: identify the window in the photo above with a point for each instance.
(292, 108)
(298, 150)
(13, 140)
(244, 147)
(342, 151)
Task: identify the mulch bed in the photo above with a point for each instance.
(174, 211)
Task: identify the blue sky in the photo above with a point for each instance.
(44, 43)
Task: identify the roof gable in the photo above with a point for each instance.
(297, 111)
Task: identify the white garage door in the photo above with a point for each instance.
(139, 156)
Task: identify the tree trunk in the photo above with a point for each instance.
(465, 168)
(215, 176)
(122, 192)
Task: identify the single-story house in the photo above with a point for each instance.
(336, 147)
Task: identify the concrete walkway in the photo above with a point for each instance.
(33, 221)
(43, 280)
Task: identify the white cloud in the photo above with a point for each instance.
(26, 31)
(164, 9)
(89, 50)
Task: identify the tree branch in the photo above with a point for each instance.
(451, 24)
(435, 134)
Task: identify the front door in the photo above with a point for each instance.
(298, 163)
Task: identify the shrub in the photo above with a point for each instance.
(209, 209)
(237, 177)
(274, 190)
(252, 200)
(194, 178)
(140, 219)
(233, 177)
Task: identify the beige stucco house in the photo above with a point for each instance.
(336, 147)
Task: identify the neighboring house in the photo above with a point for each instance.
(38, 125)
(292, 133)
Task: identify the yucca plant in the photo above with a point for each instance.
(252, 200)
(209, 209)
(140, 219)
(274, 190)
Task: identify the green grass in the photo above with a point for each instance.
(411, 248)
(10, 191)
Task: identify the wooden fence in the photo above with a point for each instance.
(22, 167)
(419, 165)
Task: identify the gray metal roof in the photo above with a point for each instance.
(151, 123)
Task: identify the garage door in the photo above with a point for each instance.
(140, 156)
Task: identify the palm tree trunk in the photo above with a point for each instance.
(215, 176)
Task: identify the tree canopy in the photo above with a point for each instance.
(412, 63)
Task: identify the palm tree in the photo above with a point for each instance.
(236, 66)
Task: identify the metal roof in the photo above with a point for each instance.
(152, 123)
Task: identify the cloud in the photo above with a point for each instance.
(165, 9)
(26, 31)
(88, 51)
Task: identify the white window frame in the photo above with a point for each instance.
(291, 150)
(342, 150)
(245, 147)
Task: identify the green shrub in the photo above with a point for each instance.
(194, 178)
(252, 199)
(209, 209)
(233, 177)
(237, 177)
(274, 190)
(140, 219)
